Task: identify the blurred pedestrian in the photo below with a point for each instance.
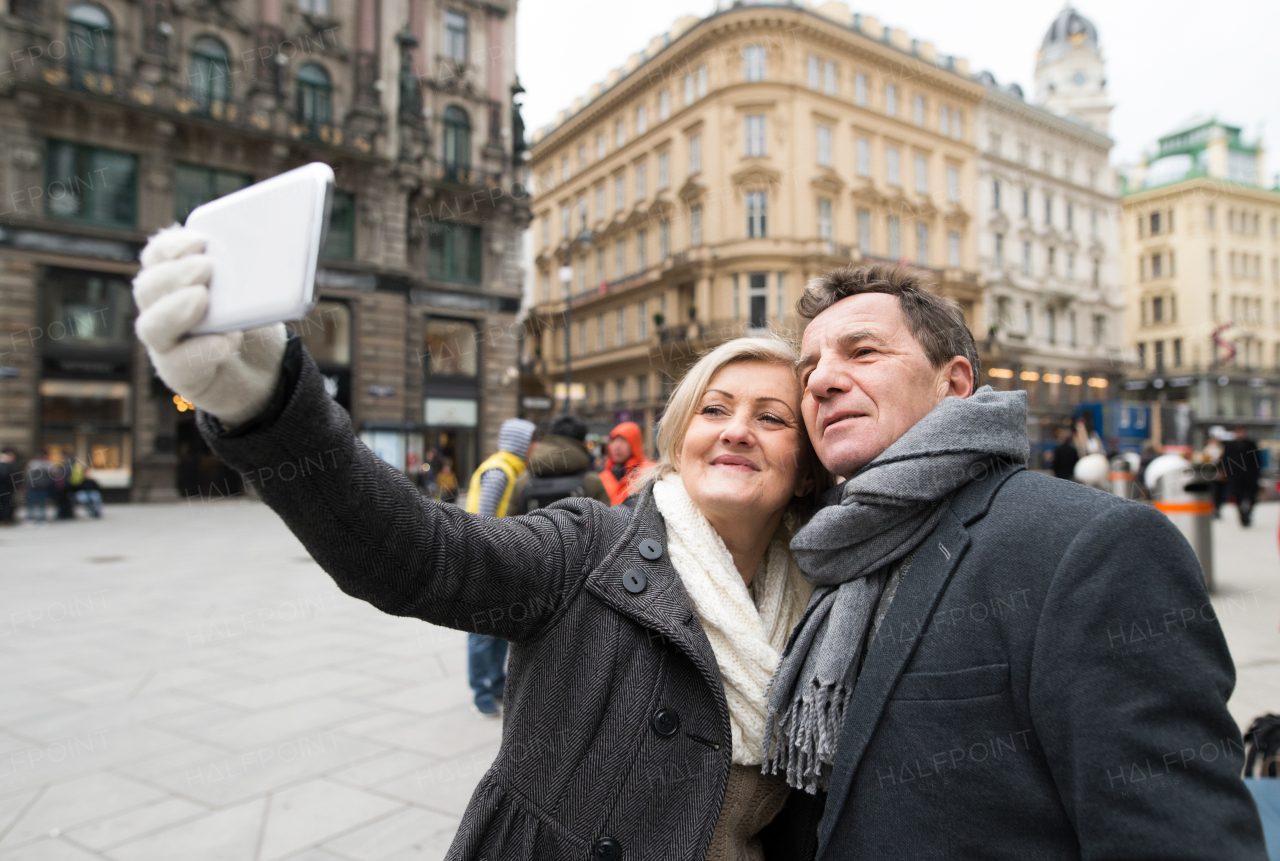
(626, 460)
(1065, 455)
(64, 491)
(447, 482)
(559, 468)
(39, 488)
(1241, 467)
(8, 487)
(89, 494)
(492, 489)
(1212, 460)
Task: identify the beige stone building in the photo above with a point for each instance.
(698, 188)
(117, 118)
(1201, 266)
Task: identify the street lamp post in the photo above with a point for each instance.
(566, 278)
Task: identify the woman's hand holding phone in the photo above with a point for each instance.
(230, 375)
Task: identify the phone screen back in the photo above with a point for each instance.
(265, 243)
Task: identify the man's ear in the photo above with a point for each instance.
(956, 379)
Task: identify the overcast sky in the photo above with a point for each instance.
(1165, 60)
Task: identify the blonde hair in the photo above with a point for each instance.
(682, 406)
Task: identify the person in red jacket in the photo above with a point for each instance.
(626, 459)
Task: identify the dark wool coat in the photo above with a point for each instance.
(615, 743)
(1050, 682)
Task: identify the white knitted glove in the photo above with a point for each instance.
(230, 375)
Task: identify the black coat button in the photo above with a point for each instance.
(665, 722)
(635, 581)
(606, 849)
(651, 549)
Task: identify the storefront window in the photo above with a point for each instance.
(88, 420)
(326, 333)
(88, 310)
(451, 348)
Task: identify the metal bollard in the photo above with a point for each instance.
(1188, 502)
(1121, 478)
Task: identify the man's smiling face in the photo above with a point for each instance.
(867, 380)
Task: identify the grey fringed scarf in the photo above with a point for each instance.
(847, 551)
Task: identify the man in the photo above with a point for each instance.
(559, 467)
(995, 664)
(492, 488)
(1065, 455)
(1241, 466)
(626, 459)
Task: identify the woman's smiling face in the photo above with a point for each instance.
(743, 452)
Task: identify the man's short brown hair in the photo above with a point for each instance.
(936, 322)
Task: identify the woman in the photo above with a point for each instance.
(625, 462)
(642, 640)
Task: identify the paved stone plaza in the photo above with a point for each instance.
(183, 682)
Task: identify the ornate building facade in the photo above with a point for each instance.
(119, 118)
(1202, 267)
(696, 190)
(1048, 233)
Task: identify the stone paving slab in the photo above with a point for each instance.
(183, 681)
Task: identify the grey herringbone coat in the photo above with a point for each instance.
(616, 739)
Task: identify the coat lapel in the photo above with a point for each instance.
(899, 634)
(663, 607)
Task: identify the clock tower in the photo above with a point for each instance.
(1071, 77)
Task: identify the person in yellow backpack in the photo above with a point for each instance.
(490, 494)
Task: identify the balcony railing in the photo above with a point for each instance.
(183, 102)
(465, 176)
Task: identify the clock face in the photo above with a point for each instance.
(1078, 79)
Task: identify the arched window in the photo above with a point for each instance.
(457, 137)
(315, 96)
(91, 41)
(209, 74)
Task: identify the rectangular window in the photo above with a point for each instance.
(340, 240)
(582, 157)
(922, 243)
(953, 249)
(782, 295)
(893, 166)
(1177, 352)
(642, 247)
(953, 183)
(754, 136)
(600, 274)
(619, 259)
(620, 389)
(600, 346)
(545, 223)
(546, 287)
(757, 214)
(564, 169)
(582, 213)
(1051, 329)
(450, 347)
(1028, 318)
(891, 100)
(1142, 354)
(642, 120)
(1071, 216)
(944, 121)
(621, 335)
(753, 63)
(642, 327)
(695, 226)
(1159, 354)
(864, 157)
(830, 78)
(1099, 329)
(664, 239)
(664, 170)
(1093, 223)
(600, 146)
(1071, 264)
(995, 194)
(702, 81)
(824, 146)
(194, 185)
(1048, 209)
(758, 297)
(1157, 265)
(917, 110)
(620, 133)
(922, 175)
(642, 177)
(85, 183)
(619, 192)
(453, 252)
(1026, 203)
(664, 106)
(600, 213)
(815, 72)
(582, 337)
(824, 218)
(1026, 258)
(456, 26)
(1157, 310)
(737, 313)
(688, 90)
(957, 124)
(642, 387)
(895, 238)
(1051, 260)
(1155, 223)
(695, 154)
(860, 89)
(999, 250)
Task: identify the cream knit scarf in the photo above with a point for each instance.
(747, 628)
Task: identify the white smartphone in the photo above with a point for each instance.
(265, 242)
